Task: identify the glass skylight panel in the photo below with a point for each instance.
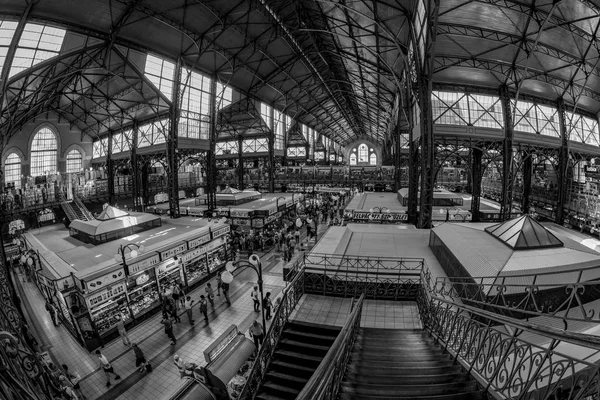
(37, 43)
(548, 120)
(224, 96)
(161, 73)
(7, 31)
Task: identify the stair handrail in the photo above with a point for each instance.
(490, 347)
(87, 213)
(326, 380)
(290, 298)
(523, 294)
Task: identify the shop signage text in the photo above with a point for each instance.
(239, 214)
(199, 241)
(240, 221)
(104, 281)
(191, 255)
(106, 295)
(220, 232)
(379, 216)
(144, 264)
(166, 267)
(164, 255)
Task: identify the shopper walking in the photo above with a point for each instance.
(225, 288)
(188, 309)
(268, 305)
(169, 329)
(74, 378)
(52, 310)
(140, 358)
(204, 307)
(257, 333)
(122, 331)
(255, 298)
(176, 293)
(107, 368)
(210, 294)
(173, 312)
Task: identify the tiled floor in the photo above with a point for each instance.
(385, 314)
(192, 340)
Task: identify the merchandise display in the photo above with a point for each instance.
(167, 279)
(196, 269)
(142, 291)
(105, 315)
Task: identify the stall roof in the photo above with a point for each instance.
(524, 233)
(101, 226)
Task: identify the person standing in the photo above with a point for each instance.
(74, 379)
(172, 307)
(52, 310)
(257, 333)
(140, 358)
(122, 331)
(107, 368)
(225, 288)
(169, 329)
(176, 293)
(268, 305)
(210, 294)
(255, 298)
(188, 309)
(219, 284)
(204, 307)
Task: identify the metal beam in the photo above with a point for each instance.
(507, 155)
(172, 147)
(476, 175)
(563, 163)
(527, 174)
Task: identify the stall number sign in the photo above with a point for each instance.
(103, 281)
(164, 255)
(221, 231)
(239, 214)
(144, 264)
(199, 242)
(379, 216)
(106, 295)
(239, 221)
(272, 211)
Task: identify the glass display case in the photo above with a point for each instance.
(142, 291)
(106, 305)
(196, 269)
(168, 278)
(217, 257)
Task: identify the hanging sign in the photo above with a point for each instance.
(143, 265)
(166, 267)
(363, 216)
(105, 295)
(165, 255)
(104, 281)
(200, 251)
(272, 218)
(240, 221)
(258, 223)
(199, 241)
(220, 231)
(240, 213)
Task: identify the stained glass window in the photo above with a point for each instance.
(44, 150)
(74, 161)
(12, 170)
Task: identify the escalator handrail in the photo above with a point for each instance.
(323, 383)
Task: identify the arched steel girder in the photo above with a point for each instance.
(204, 43)
(506, 69)
(515, 40)
(537, 14)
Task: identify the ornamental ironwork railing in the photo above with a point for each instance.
(350, 276)
(510, 358)
(291, 296)
(566, 296)
(326, 380)
(22, 374)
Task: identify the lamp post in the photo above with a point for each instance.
(277, 201)
(255, 264)
(134, 250)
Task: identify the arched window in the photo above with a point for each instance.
(44, 149)
(363, 153)
(12, 170)
(74, 161)
(352, 159)
(373, 159)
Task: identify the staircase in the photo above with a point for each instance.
(82, 208)
(73, 211)
(404, 364)
(298, 354)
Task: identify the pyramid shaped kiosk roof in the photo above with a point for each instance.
(524, 233)
(111, 212)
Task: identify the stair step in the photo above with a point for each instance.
(304, 347)
(428, 355)
(268, 396)
(298, 358)
(277, 389)
(383, 377)
(298, 370)
(408, 390)
(286, 379)
(379, 332)
(475, 395)
(319, 329)
(396, 347)
(313, 337)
